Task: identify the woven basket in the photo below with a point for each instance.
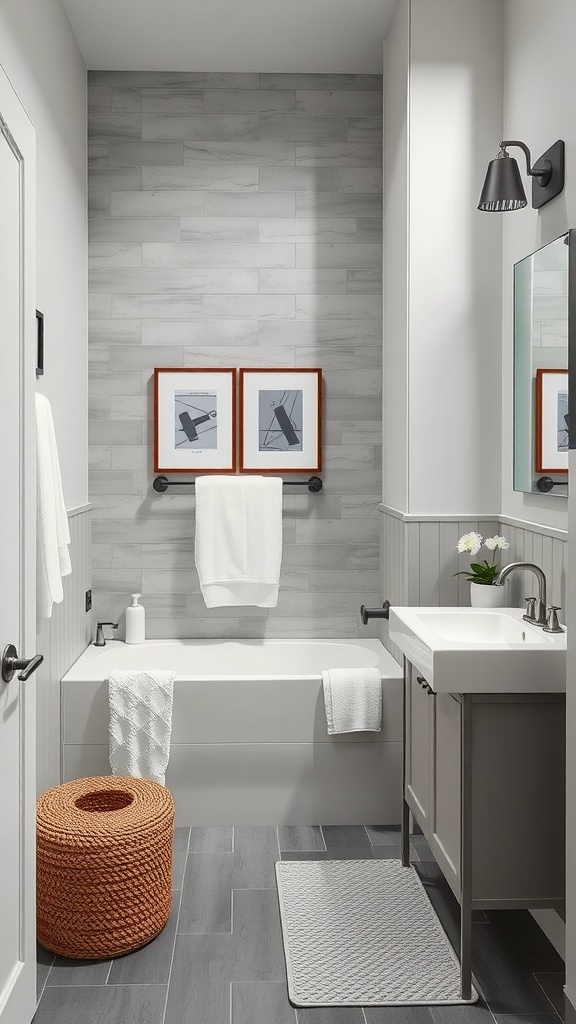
(104, 863)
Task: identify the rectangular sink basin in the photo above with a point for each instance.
(483, 627)
(480, 650)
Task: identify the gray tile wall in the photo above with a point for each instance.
(235, 220)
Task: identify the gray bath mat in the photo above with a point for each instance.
(363, 933)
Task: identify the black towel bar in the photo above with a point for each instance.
(162, 483)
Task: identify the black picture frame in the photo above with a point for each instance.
(39, 343)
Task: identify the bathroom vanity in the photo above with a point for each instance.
(484, 772)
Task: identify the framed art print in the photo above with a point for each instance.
(552, 421)
(280, 420)
(194, 420)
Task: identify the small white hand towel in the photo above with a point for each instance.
(53, 533)
(238, 548)
(353, 699)
(140, 723)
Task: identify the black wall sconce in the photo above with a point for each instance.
(503, 189)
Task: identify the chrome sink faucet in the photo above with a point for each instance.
(535, 607)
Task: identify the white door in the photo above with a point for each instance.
(17, 559)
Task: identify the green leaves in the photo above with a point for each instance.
(480, 572)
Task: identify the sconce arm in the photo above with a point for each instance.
(542, 171)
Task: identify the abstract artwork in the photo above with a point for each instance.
(280, 420)
(195, 420)
(552, 422)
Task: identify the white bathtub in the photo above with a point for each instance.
(249, 741)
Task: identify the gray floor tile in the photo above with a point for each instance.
(181, 840)
(92, 1004)
(526, 1018)
(300, 837)
(502, 973)
(330, 1015)
(304, 855)
(255, 854)
(151, 964)
(179, 858)
(553, 985)
(347, 842)
(398, 1015)
(475, 1013)
(383, 835)
(44, 961)
(206, 897)
(211, 839)
(78, 972)
(261, 1002)
(256, 928)
(199, 990)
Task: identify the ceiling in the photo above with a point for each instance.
(314, 36)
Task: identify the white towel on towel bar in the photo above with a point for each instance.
(53, 536)
(238, 547)
(352, 699)
(140, 722)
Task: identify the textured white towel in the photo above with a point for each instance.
(353, 699)
(140, 723)
(238, 547)
(53, 533)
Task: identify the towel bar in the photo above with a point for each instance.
(162, 483)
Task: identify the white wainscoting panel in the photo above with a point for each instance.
(61, 640)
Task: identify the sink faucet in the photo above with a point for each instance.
(535, 613)
(100, 639)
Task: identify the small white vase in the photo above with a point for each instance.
(487, 596)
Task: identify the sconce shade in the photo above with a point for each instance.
(503, 189)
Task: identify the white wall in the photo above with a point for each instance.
(442, 354)
(539, 89)
(40, 55)
(395, 260)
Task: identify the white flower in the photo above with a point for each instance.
(471, 542)
(492, 543)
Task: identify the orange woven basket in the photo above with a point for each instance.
(104, 865)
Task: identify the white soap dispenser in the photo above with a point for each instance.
(135, 622)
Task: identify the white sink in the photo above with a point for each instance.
(483, 627)
(470, 650)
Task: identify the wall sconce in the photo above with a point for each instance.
(503, 189)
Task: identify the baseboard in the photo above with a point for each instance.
(554, 929)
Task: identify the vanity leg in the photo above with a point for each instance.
(405, 823)
(466, 846)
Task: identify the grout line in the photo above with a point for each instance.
(230, 1001)
(172, 957)
(231, 911)
(109, 972)
(544, 990)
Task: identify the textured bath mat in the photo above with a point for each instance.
(363, 933)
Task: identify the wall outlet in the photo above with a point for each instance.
(88, 600)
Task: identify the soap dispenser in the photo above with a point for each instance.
(135, 622)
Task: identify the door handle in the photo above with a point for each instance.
(11, 663)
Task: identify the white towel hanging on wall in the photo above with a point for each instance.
(53, 532)
(238, 547)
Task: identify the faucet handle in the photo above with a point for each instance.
(553, 626)
(530, 615)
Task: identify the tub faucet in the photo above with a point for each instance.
(536, 606)
(100, 639)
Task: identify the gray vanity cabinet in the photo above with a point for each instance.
(418, 753)
(484, 777)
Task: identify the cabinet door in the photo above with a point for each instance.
(418, 750)
(446, 776)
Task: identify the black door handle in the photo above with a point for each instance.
(11, 663)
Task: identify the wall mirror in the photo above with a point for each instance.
(544, 288)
